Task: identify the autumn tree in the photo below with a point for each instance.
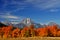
(1, 33)
(32, 30)
(27, 33)
(6, 31)
(15, 33)
(58, 33)
(24, 31)
(42, 32)
(52, 30)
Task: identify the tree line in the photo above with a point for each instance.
(47, 31)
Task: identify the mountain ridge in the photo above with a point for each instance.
(28, 22)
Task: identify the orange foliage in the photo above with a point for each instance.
(26, 28)
(31, 26)
(42, 32)
(52, 30)
(6, 31)
(15, 33)
(58, 33)
(46, 31)
(23, 31)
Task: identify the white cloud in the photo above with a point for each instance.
(8, 16)
(15, 5)
(42, 4)
(45, 4)
(15, 22)
(11, 18)
(53, 10)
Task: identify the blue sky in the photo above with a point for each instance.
(40, 11)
